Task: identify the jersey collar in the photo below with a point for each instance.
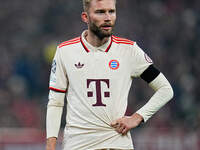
(88, 47)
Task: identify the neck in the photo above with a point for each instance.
(94, 40)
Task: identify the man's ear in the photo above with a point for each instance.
(84, 17)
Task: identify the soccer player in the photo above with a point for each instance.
(95, 72)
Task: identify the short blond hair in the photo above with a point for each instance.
(86, 4)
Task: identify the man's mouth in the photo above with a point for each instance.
(106, 27)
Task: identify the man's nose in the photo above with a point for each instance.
(107, 16)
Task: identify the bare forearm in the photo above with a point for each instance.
(137, 118)
(51, 143)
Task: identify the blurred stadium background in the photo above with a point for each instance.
(168, 30)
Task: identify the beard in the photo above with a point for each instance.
(100, 33)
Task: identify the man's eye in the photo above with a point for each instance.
(112, 11)
(100, 11)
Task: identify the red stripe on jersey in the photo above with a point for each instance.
(122, 39)
(109, 45)
(69, 43)
(74, 39)
(123, 42)
(86, 49)
(57, 90)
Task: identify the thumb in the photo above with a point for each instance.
(114, 123)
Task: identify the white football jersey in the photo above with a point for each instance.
(96, 81)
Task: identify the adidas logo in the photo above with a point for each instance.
(79, 65)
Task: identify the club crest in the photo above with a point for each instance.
(114, 64)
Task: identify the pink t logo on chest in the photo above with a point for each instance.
(98, 90)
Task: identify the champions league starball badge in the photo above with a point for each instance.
(53, 71)
(53, 67)
(148, 59)
(114, 64)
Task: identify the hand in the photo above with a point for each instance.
(51, 143)
(124, 124)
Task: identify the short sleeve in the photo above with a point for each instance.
(140, 61)
(58, 77)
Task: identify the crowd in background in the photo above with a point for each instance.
(167, 30)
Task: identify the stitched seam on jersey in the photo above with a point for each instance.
(57, 90)
(69, 43)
